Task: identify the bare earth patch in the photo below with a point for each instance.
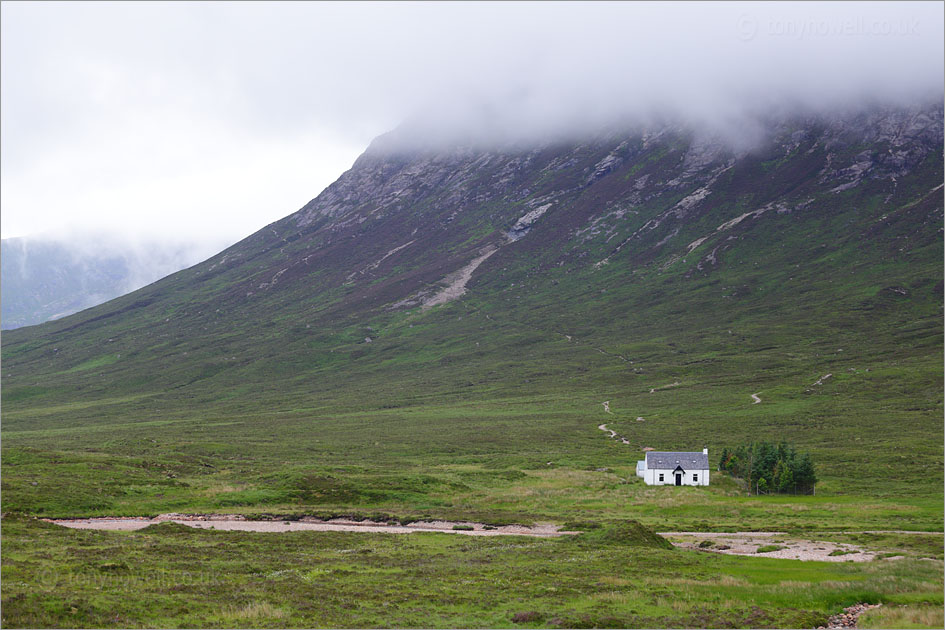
(456, 281)
(235, 522)
(748, 543)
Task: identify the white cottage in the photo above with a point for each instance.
(675, 469)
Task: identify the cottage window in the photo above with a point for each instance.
(695, 477)
(661, 477)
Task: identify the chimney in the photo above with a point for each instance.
(705, 451)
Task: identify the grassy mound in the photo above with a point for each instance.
(628, 533)
(167, 527)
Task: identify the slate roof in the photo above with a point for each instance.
(688, 461)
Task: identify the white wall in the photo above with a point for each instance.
(651, 477)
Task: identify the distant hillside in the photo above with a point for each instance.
(44, 278)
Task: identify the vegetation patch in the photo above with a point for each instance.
(530, 616)
(903, 616)
(628, 533)
(769, 548)
(167, 528)
(101, 361)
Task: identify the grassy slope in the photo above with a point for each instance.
(490, 386)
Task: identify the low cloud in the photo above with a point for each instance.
(52, 275)
(214, 119)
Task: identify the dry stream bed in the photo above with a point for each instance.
(231, 522)
(763, 544)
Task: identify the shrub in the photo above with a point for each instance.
(527, 617)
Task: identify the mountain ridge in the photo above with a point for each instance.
(345, 228)
(606, 268)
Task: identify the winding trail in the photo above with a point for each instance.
(755, 399)
(606, 405)
(613, 434)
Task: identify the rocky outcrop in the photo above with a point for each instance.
(525, 222)
(848, 618)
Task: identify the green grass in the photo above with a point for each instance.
(770, 548)
(914, 616)
(101, 361)
(173, 575)
(500, 460)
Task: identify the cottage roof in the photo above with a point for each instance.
(688, 461)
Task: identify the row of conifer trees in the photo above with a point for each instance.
(769, 467)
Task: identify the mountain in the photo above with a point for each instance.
(665, 271)
(48, 278)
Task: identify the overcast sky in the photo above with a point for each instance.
(206, 121)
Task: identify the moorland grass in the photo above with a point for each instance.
(173, 575)
(908, 616)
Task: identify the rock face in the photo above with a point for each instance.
(526, 221)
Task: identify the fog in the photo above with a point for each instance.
(143, 260)
(206, 121)
(51, 275)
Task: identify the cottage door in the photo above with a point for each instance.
(678, 479)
